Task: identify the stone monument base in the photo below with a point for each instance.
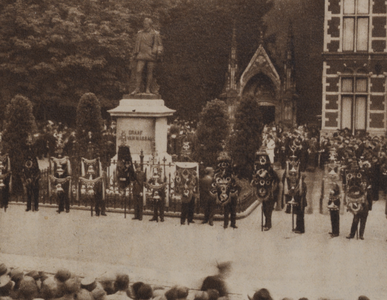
(142, 125)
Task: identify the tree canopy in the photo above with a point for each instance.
(246, 137)
(54, 52)
(19, 125)
(212, 132)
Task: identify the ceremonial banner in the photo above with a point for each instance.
(186, 181)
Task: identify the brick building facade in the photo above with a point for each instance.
(355, 66)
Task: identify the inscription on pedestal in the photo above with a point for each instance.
(138, 134)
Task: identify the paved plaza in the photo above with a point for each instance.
(312, 265)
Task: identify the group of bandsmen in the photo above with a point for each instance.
(57, 143)
(356, 172)
(355, 167)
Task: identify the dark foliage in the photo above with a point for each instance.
(212, 131)
(89, 120)
(19, 125)
(246, 137)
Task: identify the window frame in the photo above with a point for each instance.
(354, 95)
(356, 16)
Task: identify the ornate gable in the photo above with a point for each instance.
(260, 63)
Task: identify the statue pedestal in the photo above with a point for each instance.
(142, 125)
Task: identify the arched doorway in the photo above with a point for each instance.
(262, 88)
(267, 113)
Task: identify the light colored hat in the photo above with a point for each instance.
(88, 283)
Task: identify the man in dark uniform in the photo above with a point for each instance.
(265, 180)
(125, 170)
(362, 214)
(362, 217)
(30, 178)
(225, 188)
(295, 197)
(5, 179)
(334, 209)
(300, 210)
(206, 199)
(138, 185)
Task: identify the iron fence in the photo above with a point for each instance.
(115, 199)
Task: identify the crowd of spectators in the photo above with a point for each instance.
(181, 136)
(281, 143)
(49, 132)
(21, 285)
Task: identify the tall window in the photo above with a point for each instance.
(354, 92)
(356, 25)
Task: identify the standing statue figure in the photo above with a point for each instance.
(147, 50)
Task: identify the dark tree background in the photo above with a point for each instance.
(246, 137)
(53, 52)
(212, 132)
(197, 38)
(19, 125)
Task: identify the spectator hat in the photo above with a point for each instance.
(144, 292)
(3, 269)
(88, 283)
(62, 275)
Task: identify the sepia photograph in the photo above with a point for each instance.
(193, 150)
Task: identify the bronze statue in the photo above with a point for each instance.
(147, 50)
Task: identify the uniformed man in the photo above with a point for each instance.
(62, 171)
(5, 179)
(30, 177)
(334, 209)
(206, 199)
(158, 195)
(361, 214)
(138, 186)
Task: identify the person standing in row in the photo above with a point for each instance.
(208, 201)
(138, 187)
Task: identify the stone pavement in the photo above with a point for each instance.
(289, 265)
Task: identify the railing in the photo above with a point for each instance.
(115, 199)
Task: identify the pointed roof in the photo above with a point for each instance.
(260, 63)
